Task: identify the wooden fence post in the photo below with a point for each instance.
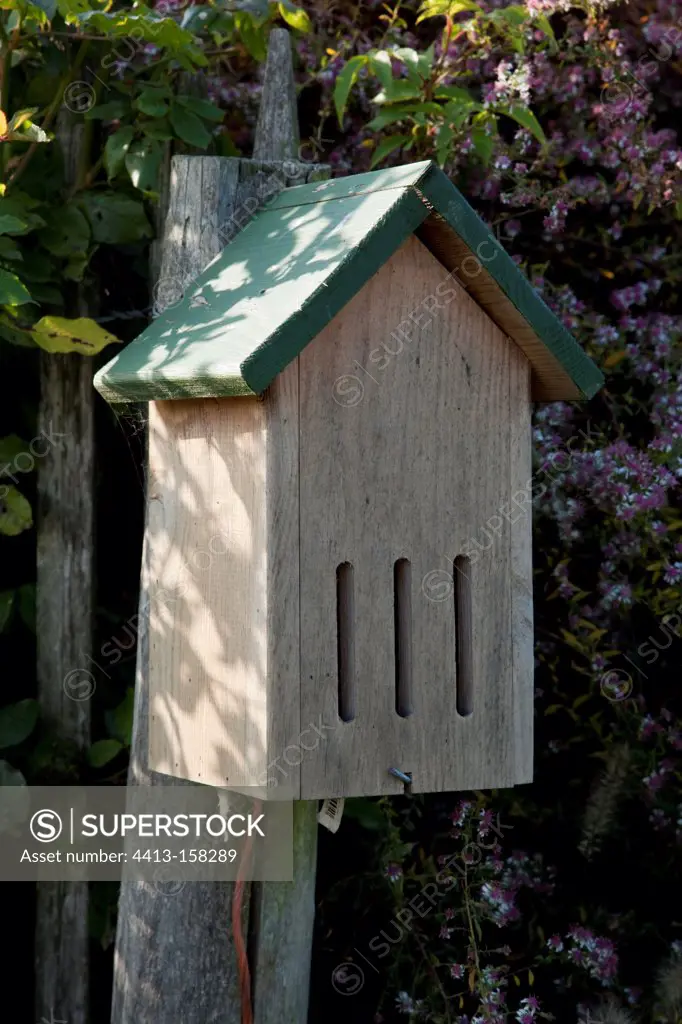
(64, 619)
(175, 957)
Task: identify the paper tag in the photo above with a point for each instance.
(330, 813)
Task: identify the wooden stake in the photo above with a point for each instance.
(64, 611)
(174, 953)
(284, 914)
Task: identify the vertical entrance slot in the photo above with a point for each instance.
(402, 604)
(345, 638)
(464, 635)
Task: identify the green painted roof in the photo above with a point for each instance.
(289, 272)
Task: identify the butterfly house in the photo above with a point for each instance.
(339, 496)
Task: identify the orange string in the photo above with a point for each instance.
(239, 943)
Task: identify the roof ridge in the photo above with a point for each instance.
(282, 279)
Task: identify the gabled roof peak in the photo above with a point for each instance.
(302, 258)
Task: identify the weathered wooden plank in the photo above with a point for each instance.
(285, 744)
(405, 455)
(208, 666)
(64, 616)
(173, 960)
(277, 135)
(520, 525)
(282, 921)
(223, 547)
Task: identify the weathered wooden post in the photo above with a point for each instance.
(64, 620)
(175, 957)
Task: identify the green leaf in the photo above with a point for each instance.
(115, 218)
(17, 722)
(10, 776)
(12, 291)
(151, 103)
(386, 147)
(20, 118)
(202, 108)
(418, 65)
(367, 813)
(142, 164)
(27, 605)
(14, 334)
(143, 25)
(120, 720)
(433, 9)
(15, 512)
(410, 58)
(525, 117)
(514, 14)
(455, 92)
(48, 7)
(38, 266)
(29, 133)
(9, 250)
(417, 112)
(57, 334)
(444, 143)
(75, 268)
(484, 144)
(116, 147)
(425, 62)
(296, 17)
(103, 751)
(457, 6)
(6, 606)
(67, 232)
(160, 130)
(15, 808)
(20, 207)
(390, 116)
(457, 112)
(114, 110)
(380, 63)
(10, 225)
(188, 127)
(436, 8)
(10, 447)
(345, 82)
(252, 35)
(48, 294)
(401, 91)
(543, 23)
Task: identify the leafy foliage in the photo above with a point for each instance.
(573, 918)
(418, 94)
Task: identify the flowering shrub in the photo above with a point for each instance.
(576, 916)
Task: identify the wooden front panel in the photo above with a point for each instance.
(521, 522)
(208, 590)
(405, 454)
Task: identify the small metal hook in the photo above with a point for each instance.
(405, 778)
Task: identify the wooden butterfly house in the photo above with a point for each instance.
(339, 499)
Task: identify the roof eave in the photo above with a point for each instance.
(462, 242)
